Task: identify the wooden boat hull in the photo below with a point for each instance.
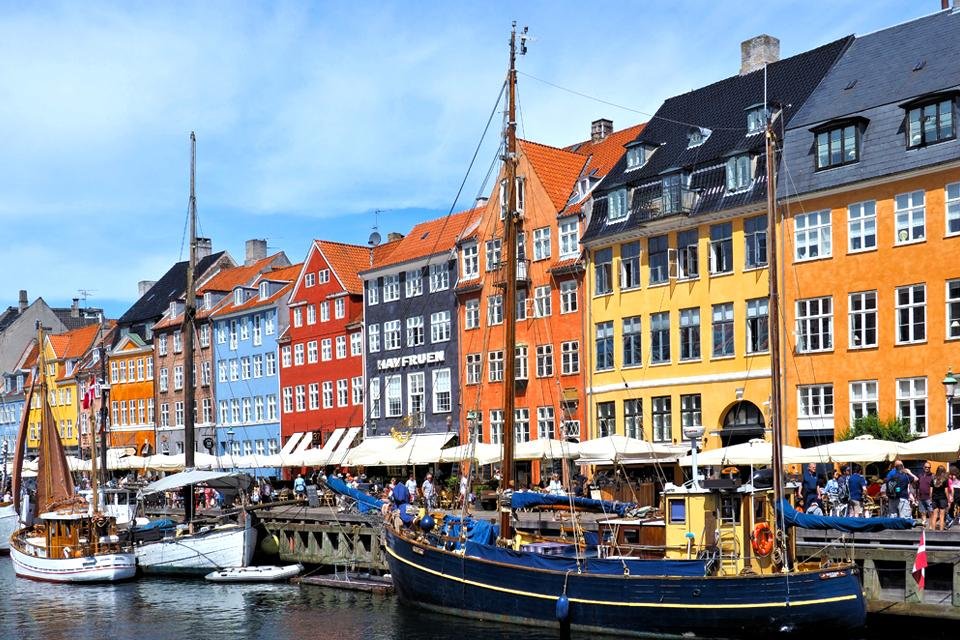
(626, 605)
(107, 567)
(8, 524)
(255, 574)
(199, 553)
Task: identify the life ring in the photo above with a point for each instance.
(762, 539)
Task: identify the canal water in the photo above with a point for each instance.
(157, 608)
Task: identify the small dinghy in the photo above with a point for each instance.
(267, 573)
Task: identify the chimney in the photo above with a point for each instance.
(758, 51)
(256, 250)
(204, 248)
(143, 286)
(600, 129)
(393, 235)
(23, 300)
(75, 308)
(481, 202)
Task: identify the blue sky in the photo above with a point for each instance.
(309, 116)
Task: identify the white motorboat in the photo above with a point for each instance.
(196, 548)
(266, 573)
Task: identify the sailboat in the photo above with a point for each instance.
(744, 580)
(193, 548)
(63, 538)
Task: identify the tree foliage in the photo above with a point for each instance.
(893, 429)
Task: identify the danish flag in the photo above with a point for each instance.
(920, 562)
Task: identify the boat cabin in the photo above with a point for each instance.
(728, 524)
(70, 535)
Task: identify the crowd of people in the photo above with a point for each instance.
(931, 497)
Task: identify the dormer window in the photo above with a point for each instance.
(173, 308)
(756, 119)
(264, 290)
(837, 144)
(504, 195)
(930, 123)
(697, 136)
(207, 300)
(739, 173)
(238, 297)
(617, 206)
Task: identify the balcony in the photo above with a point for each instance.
(673, 199)
(523, 274)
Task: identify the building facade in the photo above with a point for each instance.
(168, 357)
(245, 327)
(132, 396)
(412, 344)
(321, 352)
(871, 192)
(676, 329)
(549, 391)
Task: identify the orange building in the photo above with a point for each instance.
(132, 399)
(553, 185)
(871, 286)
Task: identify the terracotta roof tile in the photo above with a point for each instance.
(282, 274)
(557, 170)
(227, 279)
(431, 237)
(347, 260)
(59, 343)
(605, 153)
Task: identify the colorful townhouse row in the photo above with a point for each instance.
(642, 283)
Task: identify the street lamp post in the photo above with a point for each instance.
(949, 386)
(230, 434)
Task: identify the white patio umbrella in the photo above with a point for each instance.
(482, 452)
(76, 464)
(862, 449)
(546, 449)
(943, 447)
(617, 448)
(756, 452)
(161, 462)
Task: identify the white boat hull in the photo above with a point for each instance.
(107, 567)
(8, 524)
(255, 574)
(199, 553)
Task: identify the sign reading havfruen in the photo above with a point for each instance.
(410, 361)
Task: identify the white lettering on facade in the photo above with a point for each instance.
(409, 361)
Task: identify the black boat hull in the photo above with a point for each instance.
(631, 605)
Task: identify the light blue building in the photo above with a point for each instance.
(11, 411)
(245, 329)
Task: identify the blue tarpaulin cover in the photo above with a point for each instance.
(365, 502)
(604, 566)
(529, 500)
(163, 523)
(841, 523)
(479, 531)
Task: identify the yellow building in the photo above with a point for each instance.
(62, 353)
(677, 317)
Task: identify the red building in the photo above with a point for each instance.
(321, 352)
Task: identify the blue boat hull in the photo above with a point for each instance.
(633, 605)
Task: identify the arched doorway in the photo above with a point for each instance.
(742, 422)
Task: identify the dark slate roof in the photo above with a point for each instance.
(722, 108)
(882, 66)
(8, 316)
(172, 285)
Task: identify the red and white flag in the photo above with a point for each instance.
(88, 398)
(920, 562)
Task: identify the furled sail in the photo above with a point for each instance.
(54, 482)
(18, 452)
(841, 523)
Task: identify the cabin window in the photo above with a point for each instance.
(677, 509)
(759, 510)
(630, 535)
(730, 509)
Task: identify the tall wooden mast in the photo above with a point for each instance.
(512, 225)
(189, 315)
(774, 315)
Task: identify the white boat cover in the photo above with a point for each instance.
(210, 478)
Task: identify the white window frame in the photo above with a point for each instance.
(951, 209)
(470, 261)
(413, 283)
(912, 403)
(442, 391)
(541, 243)
(864, 396)
(473, 368)
(569, 237)
(569, 301)
(812, 236)
(812, 320)
(911, 315)
(862, 306)
(472, 313)
(391, 287)
(862, 226)
(910, 217)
